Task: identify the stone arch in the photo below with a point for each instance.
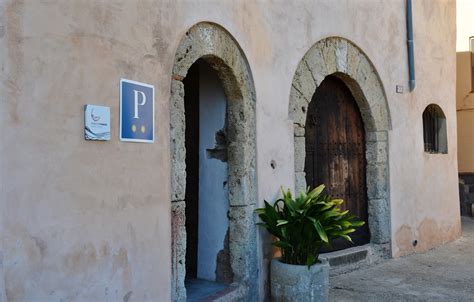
(217, 47)
(341, 58)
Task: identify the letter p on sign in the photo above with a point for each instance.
(136, 94)
(137, 112)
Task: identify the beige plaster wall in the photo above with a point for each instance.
(424, 191)
(464, 95)
(85, 220)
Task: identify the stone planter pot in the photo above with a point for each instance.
(298, 283)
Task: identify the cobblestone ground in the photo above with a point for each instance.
(442, 274)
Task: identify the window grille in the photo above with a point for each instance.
(434, 130)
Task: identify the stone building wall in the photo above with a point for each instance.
(93, 221)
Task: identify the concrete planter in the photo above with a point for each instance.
(298, 283)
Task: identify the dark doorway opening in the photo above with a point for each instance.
(335, 152)
(208, 269)
(191, 107)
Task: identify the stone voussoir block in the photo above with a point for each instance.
(315, 61)
(341, 55)
(353, 57)
(329, 54)
(303, 80)
(298, 107)
(187, 53)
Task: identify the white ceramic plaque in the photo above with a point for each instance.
(96, 123)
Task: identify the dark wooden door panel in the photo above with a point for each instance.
(335, 151)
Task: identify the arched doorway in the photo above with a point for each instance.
(207, 202)
(211, 45)
(335, 152)
(339, 59)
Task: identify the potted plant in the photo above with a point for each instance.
(302, 226)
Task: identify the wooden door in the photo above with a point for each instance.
(335, 152)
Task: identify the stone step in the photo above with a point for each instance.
(348, 256)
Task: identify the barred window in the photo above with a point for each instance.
(434, 130)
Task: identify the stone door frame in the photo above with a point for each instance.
(217, 47)
(342, 58)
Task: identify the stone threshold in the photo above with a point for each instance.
(232, 293)
(346, 256)
(354, 258)
(199, 290)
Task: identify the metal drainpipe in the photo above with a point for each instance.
(411, 54)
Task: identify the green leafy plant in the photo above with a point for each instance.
(305, 224)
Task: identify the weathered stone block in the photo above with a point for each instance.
(353, 57)
(341, 55)
(363, 71)
(303, 80)
(178, 150)
(376, 152)
(178, 181)
(299, 131)
(241, 156)
(376, 136)
(178, 241)
(315, 61)
(241, 190)
(329, 54)
(186, 54)
(177, 123)
(300, 154)
(379, 220)
(298, 107)
(242, 241)
(370, 85)
(377, 181)
(300, 182)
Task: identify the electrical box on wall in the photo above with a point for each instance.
(96, 123)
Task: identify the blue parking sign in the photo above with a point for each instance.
(137, 112)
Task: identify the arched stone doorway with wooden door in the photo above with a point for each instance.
(341, 122)
(335, 151)
(208, 56)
